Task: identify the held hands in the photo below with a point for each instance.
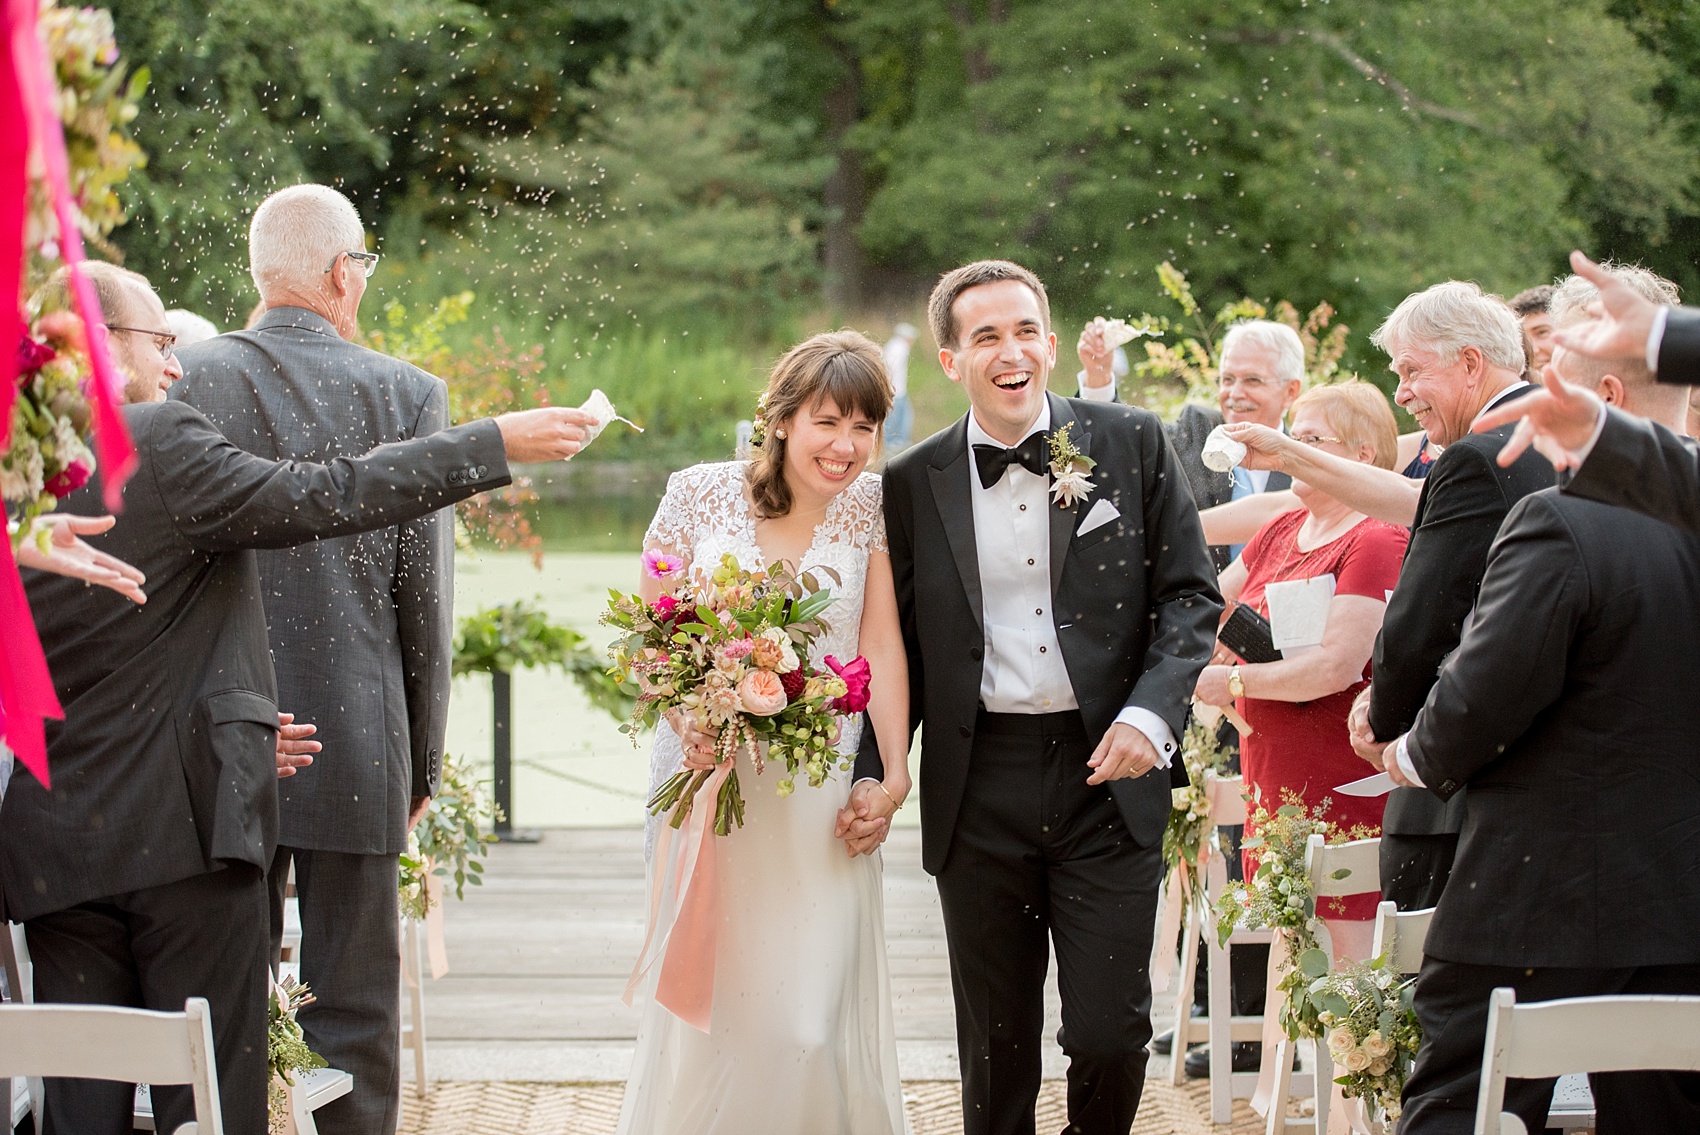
(1124, 753)
(69, 556)
(1096, 355)
(865, 820)
(552, 433)
(294, 751)
(1363, 739)
(1264, 448)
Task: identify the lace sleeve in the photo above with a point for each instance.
(676, 517)
(866, 515)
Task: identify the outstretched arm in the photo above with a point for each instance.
(1380, 493)
(1238, 521)
(66, 554)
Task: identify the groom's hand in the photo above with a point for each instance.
(1124, 753)
(865, 820)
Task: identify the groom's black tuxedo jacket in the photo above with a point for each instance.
(1135, 602)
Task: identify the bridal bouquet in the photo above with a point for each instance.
(731, 651)
(1372, 1031)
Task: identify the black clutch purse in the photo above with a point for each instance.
(1249, 635)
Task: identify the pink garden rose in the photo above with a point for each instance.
(665, 608)
(856, 674)
(761, 693)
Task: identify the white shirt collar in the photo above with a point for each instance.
(1502, 396)
(978, 436)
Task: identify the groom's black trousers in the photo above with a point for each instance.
(1039, 854)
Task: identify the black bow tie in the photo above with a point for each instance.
(993, 460)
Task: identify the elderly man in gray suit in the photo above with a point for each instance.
(360, 626)
(140, 878)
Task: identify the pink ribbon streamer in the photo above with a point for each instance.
(436, 947)
(113, 449)
(687, 870)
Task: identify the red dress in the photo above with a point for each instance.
(1303, 746)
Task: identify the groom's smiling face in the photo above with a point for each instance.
(1003, 356)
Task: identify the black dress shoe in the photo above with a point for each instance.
(1247, 1057)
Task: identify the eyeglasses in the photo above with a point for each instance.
(368, 261)
(1316, 439)
(164, 341)
(1248, 381)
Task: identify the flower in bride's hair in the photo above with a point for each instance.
(761, 693)
(856, 675)
(659, 565)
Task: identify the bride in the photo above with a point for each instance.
(800, 1038)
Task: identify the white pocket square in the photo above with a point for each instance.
(1100, 514)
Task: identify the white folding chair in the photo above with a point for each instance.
(26, 1092)
(100, 1042)
(1399, 936)
(413, 993)
(1220, 1027)
(1576, 1035)
(1336, 871)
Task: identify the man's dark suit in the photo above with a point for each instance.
(1020, 844)
(1641, 465)
(1463, 502)
(140, 876)
(1578, 868)
(360, 629)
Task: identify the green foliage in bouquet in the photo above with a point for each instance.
(1185, 369)
(287, 1053)
(449, 840)
(1190, 824)
(1372, 1031)
(519, 634)
(1279, 897)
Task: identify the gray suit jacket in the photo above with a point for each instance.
(164, 766)
(360, 626)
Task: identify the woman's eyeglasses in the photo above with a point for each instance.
(1315, 439)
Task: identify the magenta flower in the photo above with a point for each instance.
(857, 675)
(659, 565)
(68, 480)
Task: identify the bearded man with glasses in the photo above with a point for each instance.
(359, 626)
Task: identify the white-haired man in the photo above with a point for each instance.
(1261, 374)
(1457, 352)
(360, 626)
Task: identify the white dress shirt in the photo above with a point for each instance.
(1403, 754)
(1023, 669)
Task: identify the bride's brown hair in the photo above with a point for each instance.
(845, 366)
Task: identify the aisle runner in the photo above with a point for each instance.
(933, 1106)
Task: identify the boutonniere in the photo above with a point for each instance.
(1071, 481)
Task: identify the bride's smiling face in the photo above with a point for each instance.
(826, 449)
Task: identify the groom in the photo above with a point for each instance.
(1052, 651)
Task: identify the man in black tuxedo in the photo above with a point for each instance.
(1578, 869)
(1457, 352)
(140, 877)
(1051, 645)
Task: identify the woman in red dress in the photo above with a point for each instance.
(1297, 707)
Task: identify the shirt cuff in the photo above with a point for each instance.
(1403, 758)
(1655, 337)
(1104, 393)
(1156, 731)
(1594, 439)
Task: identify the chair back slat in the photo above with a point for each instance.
(1399, 936)
(96, 1042)
(1227, 799)
(1343, 868)
(1603, 1034)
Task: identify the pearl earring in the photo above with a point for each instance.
(780, 434)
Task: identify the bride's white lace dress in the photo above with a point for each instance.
(801, 1039)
